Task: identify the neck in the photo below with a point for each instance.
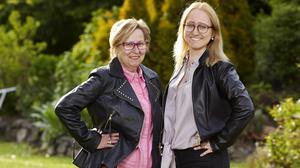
(195, 53)
(131, 69)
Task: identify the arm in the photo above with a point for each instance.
(69, 107)
(241, 103)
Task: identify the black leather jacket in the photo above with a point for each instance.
(221, 104)
(107, 92)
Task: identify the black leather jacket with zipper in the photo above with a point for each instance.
(222, 106)
(107, 93)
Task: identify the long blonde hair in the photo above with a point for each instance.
(215, 47)
(122, 29)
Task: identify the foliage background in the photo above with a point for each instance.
(48, 47)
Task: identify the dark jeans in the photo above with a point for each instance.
(189, 158)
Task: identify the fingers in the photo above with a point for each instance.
(113, 138)
(206, 152)
(204, 146)
(197, 147)
(108, 140)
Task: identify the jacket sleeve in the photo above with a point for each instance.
(242, 107)
(69, 107)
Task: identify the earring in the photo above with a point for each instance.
(212, 38)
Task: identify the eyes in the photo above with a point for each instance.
(142, 45)
(202, 28)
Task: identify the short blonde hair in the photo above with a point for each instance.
(122, 29)
(215, 47)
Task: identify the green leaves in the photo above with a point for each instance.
(19, 58)
(277, 52)
(48, 122)
(283, 144)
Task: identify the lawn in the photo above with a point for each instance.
(13, 155)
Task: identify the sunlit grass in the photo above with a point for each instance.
(13, 155)
(238, 165)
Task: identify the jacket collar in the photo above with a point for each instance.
(202, 59)
(124, 89)
(116, 70)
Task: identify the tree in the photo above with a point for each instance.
(91, 51)
(61, 22)
(259, 6)
(277, 49)
(237, 23)
(23, 64)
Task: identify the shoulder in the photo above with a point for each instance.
(100, 71)
(222, 66)
(149, 72)
(225, 70)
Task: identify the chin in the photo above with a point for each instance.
(135, 65)
(197, 47)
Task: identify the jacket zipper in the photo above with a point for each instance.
(108, 122)
(118, 161)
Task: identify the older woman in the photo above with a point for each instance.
(123, 100)
(206, 106)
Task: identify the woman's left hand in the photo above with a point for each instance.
(204, 145)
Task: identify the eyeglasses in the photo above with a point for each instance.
(202, 28)
(131, 45)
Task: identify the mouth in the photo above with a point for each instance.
(196, 38)
(135, 57)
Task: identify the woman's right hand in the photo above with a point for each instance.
(108, 140)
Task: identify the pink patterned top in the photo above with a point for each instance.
(141, 156)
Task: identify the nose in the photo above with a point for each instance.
(195, 32)
(135, 49)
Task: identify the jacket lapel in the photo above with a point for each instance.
(125, 91)
(153, 90)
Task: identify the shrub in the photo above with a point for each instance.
(17, 52)
(282, 145)
(47, 121)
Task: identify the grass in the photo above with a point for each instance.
(13, 155)
(238, 165)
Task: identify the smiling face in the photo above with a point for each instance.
(199, 38)
(132, 58)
